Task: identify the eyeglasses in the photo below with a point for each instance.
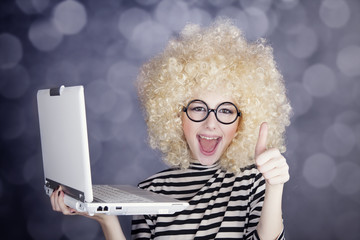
(197, 111)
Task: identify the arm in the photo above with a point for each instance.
(275, 170)
(109, 224)
(111, 227)
(270, 224)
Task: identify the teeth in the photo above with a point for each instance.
(208, 138)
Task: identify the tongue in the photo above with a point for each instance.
(208, 145)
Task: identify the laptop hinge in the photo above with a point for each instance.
(79, 195)
(56, 91)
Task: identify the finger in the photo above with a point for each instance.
(52, 200)
(260, 146)
(64, 209)
(267, 156)
(56, 199)
(275, 172)
(279, 179)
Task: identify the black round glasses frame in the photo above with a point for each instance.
(209, 110)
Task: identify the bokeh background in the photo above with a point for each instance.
(101, 44)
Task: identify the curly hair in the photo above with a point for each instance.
(206, 58)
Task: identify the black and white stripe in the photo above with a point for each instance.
(222, 205)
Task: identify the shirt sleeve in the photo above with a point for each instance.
(256, 202)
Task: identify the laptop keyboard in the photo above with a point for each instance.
(107, 193)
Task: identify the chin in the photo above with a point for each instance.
(208, 161)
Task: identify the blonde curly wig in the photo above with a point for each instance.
(206, 58)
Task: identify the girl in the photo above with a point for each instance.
(216, 107)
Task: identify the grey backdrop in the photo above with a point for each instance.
(101, 44)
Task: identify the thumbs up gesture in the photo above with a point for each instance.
(270, 162)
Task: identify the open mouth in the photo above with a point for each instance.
(208, 144)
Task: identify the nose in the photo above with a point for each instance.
(211, 120)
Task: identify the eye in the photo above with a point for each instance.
(198, 109)
(226, 111)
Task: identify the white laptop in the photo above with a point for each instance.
(66, 161)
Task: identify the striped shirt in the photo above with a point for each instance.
(222, 205)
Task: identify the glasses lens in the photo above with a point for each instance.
(197, 110)
(226, 113)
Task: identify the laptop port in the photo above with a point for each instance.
(99, 209)
(106, 208)
(118, 208)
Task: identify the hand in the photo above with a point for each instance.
(270, 162)
(109, 223)
(58, 205)
(57, 202)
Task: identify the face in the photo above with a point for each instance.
(208, 139)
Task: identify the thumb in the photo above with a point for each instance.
(261, 142)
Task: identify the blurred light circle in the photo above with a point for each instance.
(130, 18)
(199, 16)
(238, 16)
(356, 93)
(264, 5)
(11, 51)
(121, 76)
(291, 67)
(173, 14)
(220, 3)
(126, 133)
(115, 49)
(69, 17)
(258, 23)
(32, 6)
(148, 39)
(293, 19)
(101, 129)
(14, 82)
(62, 73)
(348, 178)
(301, 100)
(30, 170)
(357, 134)
(86, 229)
(319, 80)
(273, 18)
(123, 108)
(302, 43)
(349, 117)
(345, 93)
(147, 2)
(334, 13)
(319, 170)
(348, 61)
(286, 4)
(95, 149)
(100, 97)
(339, 139)
(44, 36)
(292, 144)
(15, 122)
